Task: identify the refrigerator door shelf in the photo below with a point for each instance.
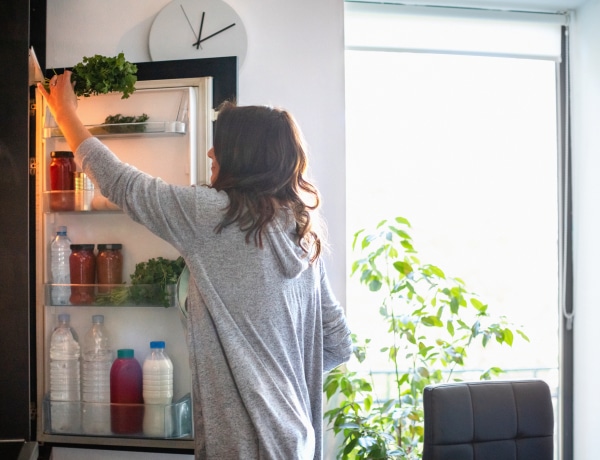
(71, 200)
(128, 129)
(170, 421)
(116, 295)
(86, 200)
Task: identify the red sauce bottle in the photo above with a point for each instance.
(82, 268)
(62, 169)
(109, 265)
(126, 397)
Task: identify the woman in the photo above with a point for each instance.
(263, 323)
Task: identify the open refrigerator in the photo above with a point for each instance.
(171, 144)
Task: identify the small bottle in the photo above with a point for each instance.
(62, 168)
(157, 391)
(60, 249)
(127, 402)
(64, 377)
(82, 268)
(109, 265)
(95, 378)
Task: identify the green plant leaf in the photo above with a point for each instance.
(432, 321)
(402, 220)
(375, 285)
(480, 306)
(507, 336)
(355, 239)
(403, 267)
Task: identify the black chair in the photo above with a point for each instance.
(488, 420)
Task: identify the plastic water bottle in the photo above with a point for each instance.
(157, 391)
(64, 377)
(60, 250)
(95, 378)
(97, 361)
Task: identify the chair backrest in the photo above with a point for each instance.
(488, 420)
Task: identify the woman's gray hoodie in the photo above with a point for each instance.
(263, 324)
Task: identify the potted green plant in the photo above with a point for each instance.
(432, 322)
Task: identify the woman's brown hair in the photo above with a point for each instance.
(262, 162)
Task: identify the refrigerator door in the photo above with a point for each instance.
(15, 331)
(172, 144)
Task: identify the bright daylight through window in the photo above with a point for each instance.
(464, 147)
(452, 124)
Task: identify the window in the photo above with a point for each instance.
(463, 142)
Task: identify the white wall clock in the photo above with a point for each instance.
(197, 29)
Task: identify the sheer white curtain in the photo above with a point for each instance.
(390, 27)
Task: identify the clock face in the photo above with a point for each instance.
(197, 29)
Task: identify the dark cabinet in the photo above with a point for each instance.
(16, 323)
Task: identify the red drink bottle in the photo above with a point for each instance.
(126, 397)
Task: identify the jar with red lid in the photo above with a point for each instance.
(62, 169)
(82, 265)
(109, 265)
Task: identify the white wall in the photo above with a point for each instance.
(294, 60)
(585, 83)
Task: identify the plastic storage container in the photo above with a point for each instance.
(65, 377)
(127, 409)
(158, 391)
(97, 358)
(60, 250)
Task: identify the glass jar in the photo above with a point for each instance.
(109, 265)
(82, 265)
(62, 168)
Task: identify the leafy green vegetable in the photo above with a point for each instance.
(150, 279)
(115, 296)
(118, 118)
(158, 271)
(150, 284)
(101, 75)
(121, 124)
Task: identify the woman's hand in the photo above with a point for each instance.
(63, 104)
(61, 98)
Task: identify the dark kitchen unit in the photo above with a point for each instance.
(17, 379)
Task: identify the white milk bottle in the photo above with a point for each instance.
(157, 389)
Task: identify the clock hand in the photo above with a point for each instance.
(190, 24)
(216, 33)
(197, 44)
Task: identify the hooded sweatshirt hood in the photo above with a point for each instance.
(283, 240)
